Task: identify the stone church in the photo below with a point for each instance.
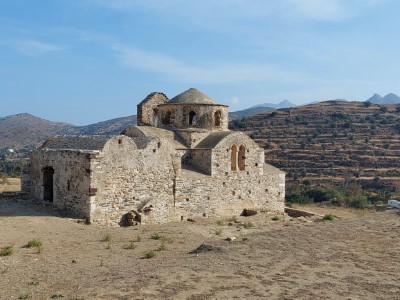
(179, 162)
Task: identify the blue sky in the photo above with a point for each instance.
(84, 61)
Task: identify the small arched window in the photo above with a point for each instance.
(192, 118)
(234, 158)
(242, 158)
(217, 118)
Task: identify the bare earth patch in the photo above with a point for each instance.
(357, 257)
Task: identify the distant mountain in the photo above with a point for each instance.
(283, 104)
(388, 99)
(28, 131)
(240, 114)
(113, 126)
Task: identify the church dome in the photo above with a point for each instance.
(191, 96)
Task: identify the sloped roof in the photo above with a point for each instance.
(154, 132)
(192, 96)
(155, 95)
(94, 142)
(212, 140)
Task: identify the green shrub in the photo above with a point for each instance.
(275, 218)
(218, 231)
(25, 296)
(7, 251)
(156, 236)
(34, 244)
(328, 217)
(220, 222)
(248, 225)
(131, 246)
(234, 219)
(162, 247)
(149, 254)
(357, 202)
(107, 238)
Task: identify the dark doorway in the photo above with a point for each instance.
(48, 174)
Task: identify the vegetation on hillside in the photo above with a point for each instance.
(331, 142)
(349, 195)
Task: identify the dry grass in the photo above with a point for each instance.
(11, 185)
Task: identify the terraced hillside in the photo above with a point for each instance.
(333, 141)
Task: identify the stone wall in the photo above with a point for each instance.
(201, 195)
(71, 179)
(192, 137)
(147, 109)
(222, 156)
(142, 173)
(129, 179)
(178, 116)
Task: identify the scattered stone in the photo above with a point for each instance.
(248, 212)
(231, 238)
(205, 248)
(191, 220)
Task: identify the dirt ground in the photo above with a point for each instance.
(354, 257)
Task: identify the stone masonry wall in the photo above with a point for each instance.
(222, 156)
(204, 112)
(71, 179)
(134, 179)
(202, 195)
(148, 107)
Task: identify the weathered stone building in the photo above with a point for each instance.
(180, 162)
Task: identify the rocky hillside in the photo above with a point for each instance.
(329, 142)
(28, 131)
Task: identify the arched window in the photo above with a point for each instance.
(234, 158)
(217, 118)
(167, 118)
(192, 118)
(242, 157)
(155, 118)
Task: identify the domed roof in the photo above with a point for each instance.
(192, 96)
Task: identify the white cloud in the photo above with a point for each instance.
(210, 73)
(32, 47)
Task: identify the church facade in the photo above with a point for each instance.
(179, 162)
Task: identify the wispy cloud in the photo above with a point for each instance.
(321, 10)
(208, 73)
(32, 47)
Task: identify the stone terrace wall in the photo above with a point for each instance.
(128, 179)
(71, 179)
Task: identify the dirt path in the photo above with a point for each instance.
(352, 258)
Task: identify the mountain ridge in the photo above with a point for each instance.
(25, 130)
(390, 98)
